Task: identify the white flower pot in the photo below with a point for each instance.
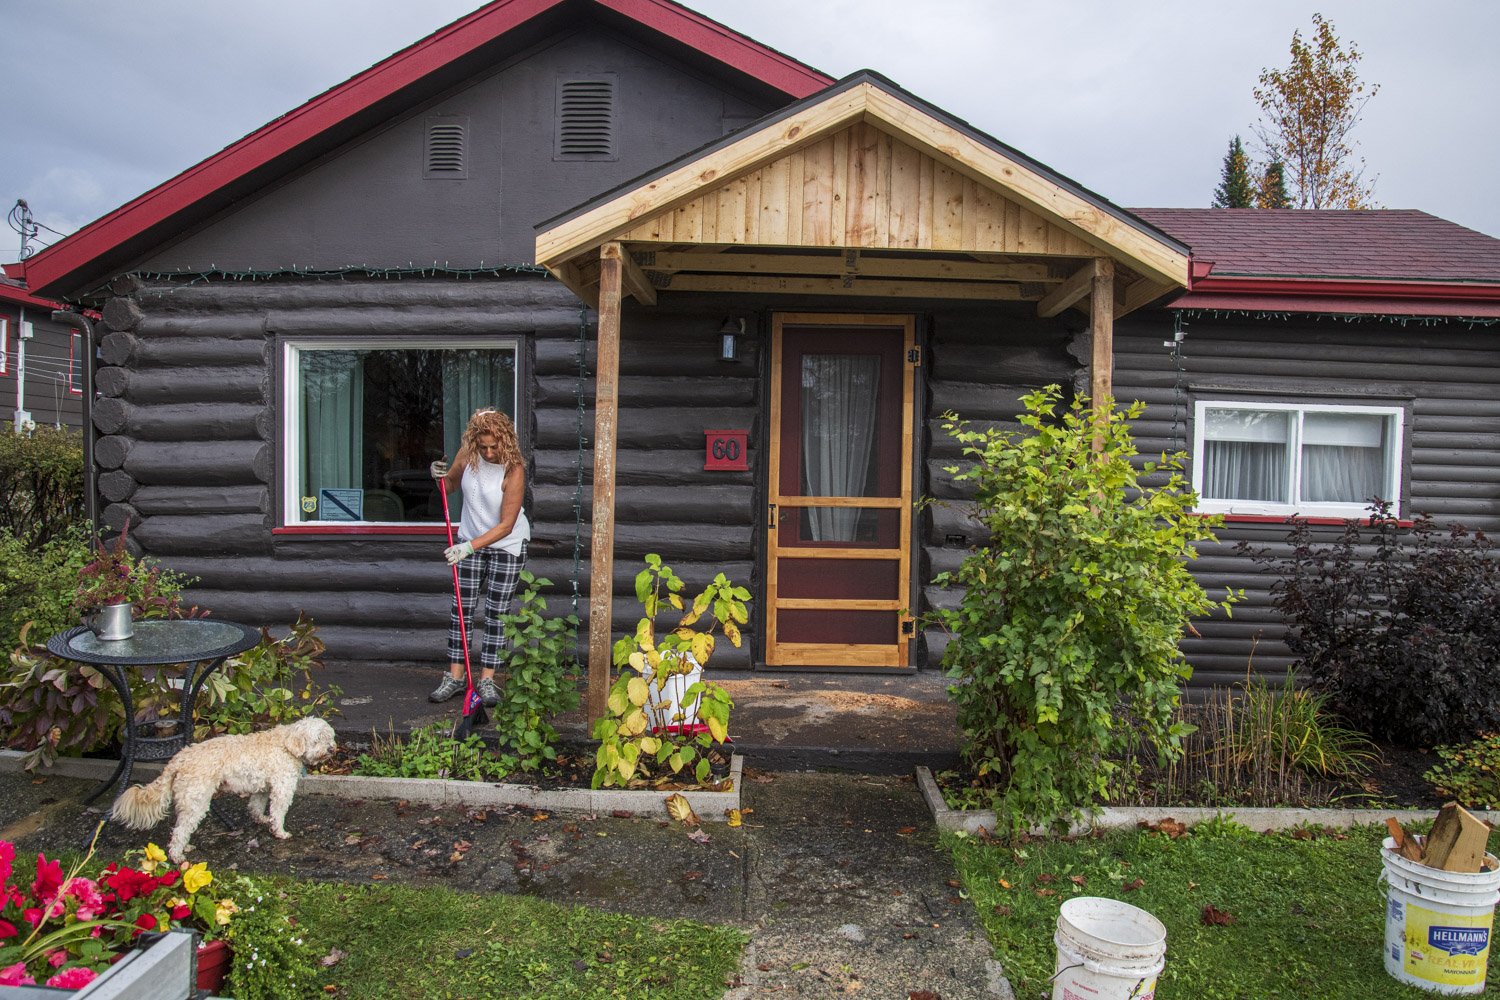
(677, 711)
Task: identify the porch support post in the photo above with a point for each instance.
(1102, 330)
(606, 406)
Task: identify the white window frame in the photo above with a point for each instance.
(291, 405)
(76, 361)
(1298, 507)
(4, 345)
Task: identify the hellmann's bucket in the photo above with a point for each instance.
(1107, 950)
(1437, 923)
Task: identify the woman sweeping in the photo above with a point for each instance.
(491, 551)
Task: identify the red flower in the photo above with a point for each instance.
(179, 912)
(33, 915)
(146, 922)
(75, 978)
(7, 855)
(7, 930)
(49, 878)
(129, 883)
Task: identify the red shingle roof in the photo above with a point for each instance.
(1378, 244)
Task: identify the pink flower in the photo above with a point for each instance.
(74, 978)
(15, 975)
(7, 855)
(7, 930)
(90, 902)
(49, 878)
(57, 958)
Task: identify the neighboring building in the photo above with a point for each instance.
(41, 362)
(293, 329)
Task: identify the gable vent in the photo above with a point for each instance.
(447, 142)
(586, 118)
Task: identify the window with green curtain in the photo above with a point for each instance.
(373, 417)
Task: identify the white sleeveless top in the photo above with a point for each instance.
(484, 492)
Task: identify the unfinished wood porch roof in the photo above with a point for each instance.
(863, 189)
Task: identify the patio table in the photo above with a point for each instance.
(199, 644)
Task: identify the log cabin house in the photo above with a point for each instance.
(41, 362)
(726, 299)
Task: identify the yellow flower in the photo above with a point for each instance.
(196, 877)
(224, 911)
(154, 856)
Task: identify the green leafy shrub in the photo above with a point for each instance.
(1399, 627)
(269, 684)
(41, 484)
(1073, 609)
(1469, 772)
(631, 751)
(541, 678)
(37, 584)
(432, 752)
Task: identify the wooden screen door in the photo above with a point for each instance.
(838, 553)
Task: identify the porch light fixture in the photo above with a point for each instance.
(732, 328)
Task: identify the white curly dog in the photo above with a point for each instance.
(264, 766)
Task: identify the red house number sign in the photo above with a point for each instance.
(725, 451)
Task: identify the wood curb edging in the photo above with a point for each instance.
(710, 806)
(1257, 818)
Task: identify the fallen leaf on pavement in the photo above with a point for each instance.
(699, 837)
(679, 809)
(692, 876)
(353, 839)
(734, 818)
(539, 816)
(906, 830)
(623, 814)
(1215, 917)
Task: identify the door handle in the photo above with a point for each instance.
(771, 523)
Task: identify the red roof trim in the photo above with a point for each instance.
(375, 84)
(20, 297)
(1451, 290)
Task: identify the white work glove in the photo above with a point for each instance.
(458, 553)
(439, 469)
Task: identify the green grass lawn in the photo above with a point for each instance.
(405, 942)
(1309, 915)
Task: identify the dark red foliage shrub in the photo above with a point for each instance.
(1399, 626)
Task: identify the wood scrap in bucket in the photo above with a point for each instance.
(1456, 844)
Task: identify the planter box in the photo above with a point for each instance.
(164, 971)
(431, 791)
(1255, 817)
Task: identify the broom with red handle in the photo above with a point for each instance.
(474, 713)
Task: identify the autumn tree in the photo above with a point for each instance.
(1235, 189)
(1308, 111)
(1271, 191)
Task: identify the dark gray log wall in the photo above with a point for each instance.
(48, 397)
(1447, 373)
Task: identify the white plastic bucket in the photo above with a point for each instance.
(678, 711)
(1437, 923)
(1107, 950)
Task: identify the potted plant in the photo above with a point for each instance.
(105, 591)
(63, 930)
(662, 717)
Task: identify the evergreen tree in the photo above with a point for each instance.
(1234, 190)
(1272, 190)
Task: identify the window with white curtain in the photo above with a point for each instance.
(1288, 458)
(365, 419)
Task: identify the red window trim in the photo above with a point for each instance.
(75, 339)
(1294, 518)
(420, 530)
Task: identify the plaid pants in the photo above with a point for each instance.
(497, 573)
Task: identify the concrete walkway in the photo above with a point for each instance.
(837, 878)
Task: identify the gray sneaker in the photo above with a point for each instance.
(489, 695)
(450, 687)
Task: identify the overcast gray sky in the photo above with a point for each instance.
(1137, 101)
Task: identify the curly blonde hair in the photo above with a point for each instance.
(493, 422)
